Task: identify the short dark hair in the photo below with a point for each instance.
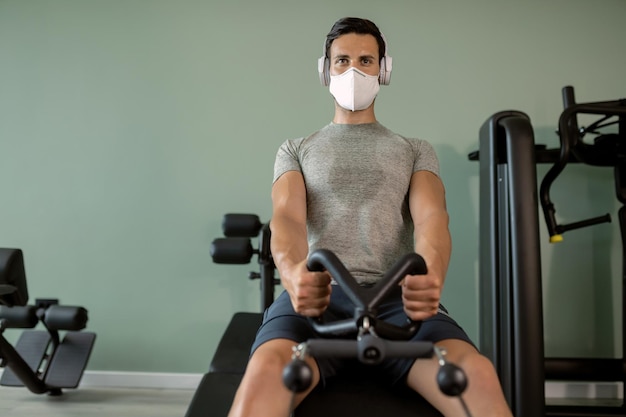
(355, 25)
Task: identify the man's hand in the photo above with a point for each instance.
(309, 291)
(421, 295)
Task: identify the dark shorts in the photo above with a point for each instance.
(280, 321)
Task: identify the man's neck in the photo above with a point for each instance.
(343, 116)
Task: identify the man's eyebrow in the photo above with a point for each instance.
(344, 56)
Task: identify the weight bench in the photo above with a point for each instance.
(343, 395)
(41, 360)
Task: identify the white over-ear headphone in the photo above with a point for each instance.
(384, 77)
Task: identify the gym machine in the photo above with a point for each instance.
(364, 336)
(41, 360)
(352, 394)
(511, 316)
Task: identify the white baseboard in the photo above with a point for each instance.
(146, 380)
(586, 390)
(117, 379)
(158, 380)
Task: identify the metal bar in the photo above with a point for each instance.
(20, 368)
(526, 292)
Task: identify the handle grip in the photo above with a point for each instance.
(325, 260)
(569, 99)
(368, 349)
(366, 300)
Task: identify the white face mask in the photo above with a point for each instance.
(354, 90)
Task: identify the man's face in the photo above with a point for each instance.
(354, 50)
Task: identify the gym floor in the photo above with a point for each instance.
(127, 402)
(96, 402)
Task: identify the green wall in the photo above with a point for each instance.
(129, 127)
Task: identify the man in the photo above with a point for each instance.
(370, 196)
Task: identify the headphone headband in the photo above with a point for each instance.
(384, 77)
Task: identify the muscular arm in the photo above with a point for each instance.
(309, 291)
(421, 294)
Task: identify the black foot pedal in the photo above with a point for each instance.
(70, 359)
(32, 346)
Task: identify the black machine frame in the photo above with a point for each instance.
(509, 255)
(44, 361)
(511, 313)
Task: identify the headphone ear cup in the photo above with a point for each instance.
(385, 70)
(323, 70)
(385, 65)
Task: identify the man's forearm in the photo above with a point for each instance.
(433, 242)
(288, 244)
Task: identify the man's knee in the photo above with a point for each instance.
(271, 356)
(478, 366)
(265, 371)
(475, 365)
(480, 371)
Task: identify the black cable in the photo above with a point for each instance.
(598, 124)
(467, 411)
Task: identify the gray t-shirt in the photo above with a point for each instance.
(357, 180)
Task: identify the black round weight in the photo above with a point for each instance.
(19, 317)
(452, 380)
(231, 250)
(297, 376)
(59, 317)
(241, 225)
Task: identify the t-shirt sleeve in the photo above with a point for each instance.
(425, 157)
(287, 159)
